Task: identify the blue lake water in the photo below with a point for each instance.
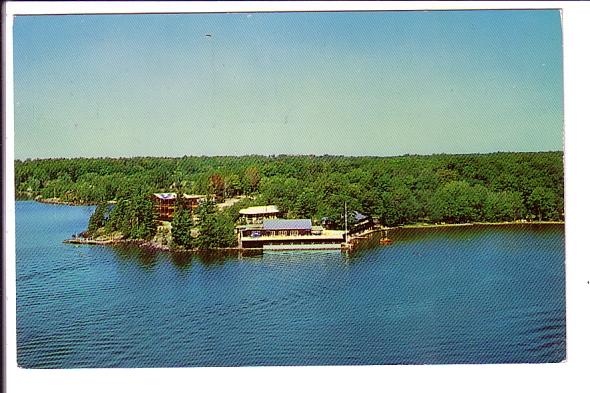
(453, 295)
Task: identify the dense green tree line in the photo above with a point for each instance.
(397, 190)
(182, 223)
(215, 229)
(133, 217)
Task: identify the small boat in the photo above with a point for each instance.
(385, 240)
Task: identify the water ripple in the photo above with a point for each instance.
(454, 303)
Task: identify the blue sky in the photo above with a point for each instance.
(351, 83)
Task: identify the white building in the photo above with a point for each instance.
(256, 214)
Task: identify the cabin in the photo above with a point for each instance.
(257, 214)
(360, 223)
(165, 203)
(328, 223)
(289, 234)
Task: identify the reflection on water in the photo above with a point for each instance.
(455, 233)
(182, 260)
(131, 253)
(447, 295)
(147, 258)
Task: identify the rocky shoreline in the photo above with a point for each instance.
(57, 201)
(144, 244)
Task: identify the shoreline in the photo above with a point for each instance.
(146, 244)
(464, 224)
(480, 223)
(365, 239)
(57, 201)
(353, 242)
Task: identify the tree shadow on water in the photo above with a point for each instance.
(211, 259)
(147, 259)
(216, 258)
(182, 260)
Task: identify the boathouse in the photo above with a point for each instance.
(289, 234)
(257, 214)
(280, 227)
(165, 203)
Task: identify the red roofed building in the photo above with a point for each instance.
(165, 204)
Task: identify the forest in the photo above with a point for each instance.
(396, 190)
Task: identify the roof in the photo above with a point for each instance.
(166, 195)
(270, 209)
(359, 216)
(194, 196)
(172, 195)
(287, 224)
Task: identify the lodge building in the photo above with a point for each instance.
(165, 204)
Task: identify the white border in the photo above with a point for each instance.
(567, 376)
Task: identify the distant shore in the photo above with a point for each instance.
(442, 225)
(367, 238)
(57, 201)
(463, 224)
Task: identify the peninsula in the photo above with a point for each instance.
(285, 201)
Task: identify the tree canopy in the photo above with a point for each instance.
(397, 190)
(215, 229)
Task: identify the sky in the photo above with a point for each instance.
(343, 83)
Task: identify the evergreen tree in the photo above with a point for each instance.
(97, 219)
(134, 217)
(143, 217)
(182, 223)
(215, 228)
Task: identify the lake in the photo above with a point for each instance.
(492, 294)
